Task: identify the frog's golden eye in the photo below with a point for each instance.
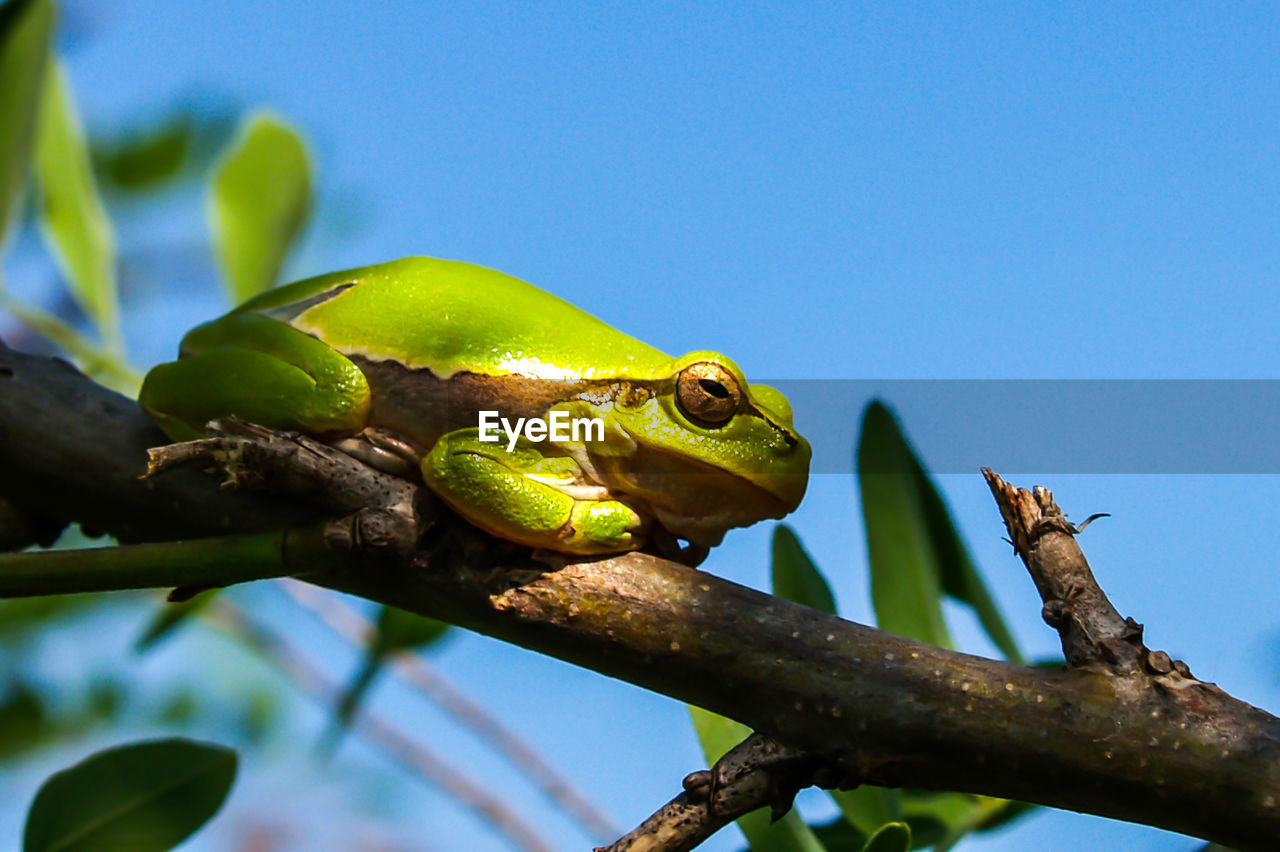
(708, 393)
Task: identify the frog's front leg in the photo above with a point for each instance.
(525, 496)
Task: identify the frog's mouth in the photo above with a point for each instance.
(695, 500)
(774, 483)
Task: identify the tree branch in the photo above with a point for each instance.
(73, 451)
(1128, 742)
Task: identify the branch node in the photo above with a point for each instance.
(1055, 613)
(759, 771)
(1158, 662)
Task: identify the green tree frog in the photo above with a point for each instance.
(477, 381)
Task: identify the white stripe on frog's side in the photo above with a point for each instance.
(289, 312)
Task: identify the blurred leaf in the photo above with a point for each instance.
(165, 147)
(942, 819)
(23, 723)
(104, 699)
(866, 808)
(789, 834)
(397, 630)
(839, 836)
(74, 222)
(960, 578)
(170, 617)
(401, 630)
(107, 367)
(905, 587)
(894, 837)
(148, 158)
(141, 797)
(26, 723)
(258, 202)
(259, 713)
(795, 577)
(1001, 817)
(25, 27)
(179, 709)
(22, 617)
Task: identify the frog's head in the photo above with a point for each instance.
(710, 451)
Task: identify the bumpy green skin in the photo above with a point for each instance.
(417, 347)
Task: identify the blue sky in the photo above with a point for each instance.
(822, 191)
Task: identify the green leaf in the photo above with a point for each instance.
(839, 836)
(170, 617)
(150, 157)
(795, 577)
(960, 578)
(144, 797)
(73, 220)
(890, 467)
(905, 587)
(866, 808)
(258, 202)
(27, 723)
(400, 630)
(24, 724)
(789, 834)
(894, 837)
(917, 556)
(109, 368)
(942, 819)
(397, 630)
(999, 817)
(25, 28)
(24, 618)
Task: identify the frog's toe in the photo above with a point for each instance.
(605, 525)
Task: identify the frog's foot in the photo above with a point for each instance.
(526, 497)
(384, 450)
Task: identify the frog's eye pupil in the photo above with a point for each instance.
(714, 388)
(708, 393)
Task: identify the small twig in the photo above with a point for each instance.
(295, 464)
(394, 743)
(423, 677)
(1093, 633)
(758, 772)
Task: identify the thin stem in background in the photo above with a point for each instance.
(394, 743)
(349, 624)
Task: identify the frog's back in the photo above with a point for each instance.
(454, 317)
